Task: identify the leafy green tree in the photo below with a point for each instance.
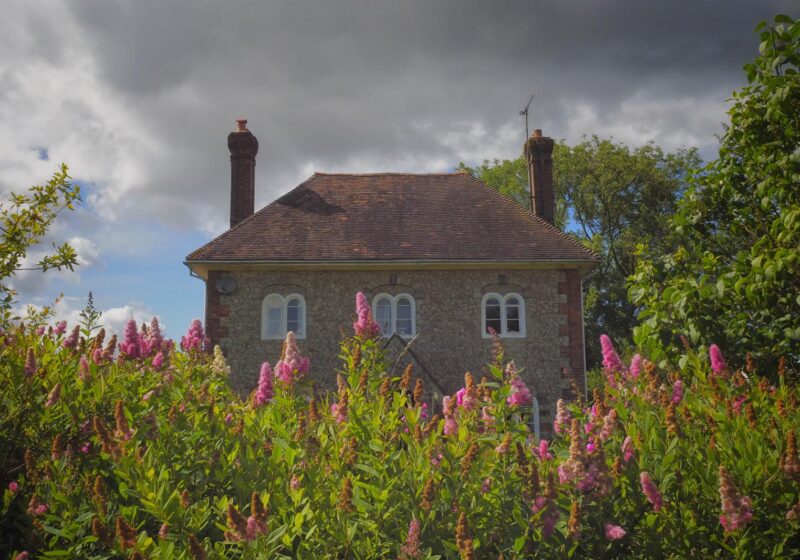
(24, 221)
(734, 279)
(612, 198)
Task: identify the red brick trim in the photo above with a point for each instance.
(215, 310)
(573, 348)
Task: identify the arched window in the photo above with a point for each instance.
(505, 315)
(395, 314)
(280, 315)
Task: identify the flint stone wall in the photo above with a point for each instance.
(448, 321)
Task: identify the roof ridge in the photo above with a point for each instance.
(535, 216)
(384, 173)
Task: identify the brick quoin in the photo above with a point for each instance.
(215, 310)
(573, 329)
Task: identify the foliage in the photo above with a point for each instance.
(148, 453)
(735, 276)
(24, 221)
(613, 199)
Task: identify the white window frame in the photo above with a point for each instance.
(503, 333)
(393, 301)
(282, 303)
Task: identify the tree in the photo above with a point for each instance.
(611, 198)
(24, 221)
(734, 278)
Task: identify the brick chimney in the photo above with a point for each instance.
(244, 147)
(539, 151)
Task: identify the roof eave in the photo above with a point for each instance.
(201, 268)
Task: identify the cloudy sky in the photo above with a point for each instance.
(139, 96)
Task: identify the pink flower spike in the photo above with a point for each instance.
(13, 486)
(130, 345)
(650, 491)
(611, 360)
(563, 417)
(411, 547)
(195, 338)
(718, 364)
(677, 391)
(22, 555)
(520, 395)
(264, 393)
(590, 447)
(627, 449)
(158, 360)
(365, 326)
(72, 340)
(636, 366)
(544, 451)
(61, 328)
(30, 363)
(614, 532)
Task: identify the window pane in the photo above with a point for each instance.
(293, 316)
(404, 322)
(274, 321)
(383, 316)
(492, 315)
(512, 317)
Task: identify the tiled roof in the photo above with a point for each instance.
(392, 217)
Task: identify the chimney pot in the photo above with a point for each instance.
(241, 125)
(536, 133)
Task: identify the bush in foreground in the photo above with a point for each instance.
(139, 450)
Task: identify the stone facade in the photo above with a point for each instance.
(448, 322)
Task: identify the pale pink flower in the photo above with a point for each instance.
(85, 373)
(627, 449)
(450, 426)
(411, 547)
(255, 528)
(563, 417)
(614, 532)
(40, 330)
(609, 425)
(13, 486)
(30, 363)
(292, 365)
(264, 393)
(737, 510)
(520, 395)
(365, 326)
(158, 360)
(97, 356)
(718, 364)
(53, 396)
(228, 418)
(636, 366)
(650, 491)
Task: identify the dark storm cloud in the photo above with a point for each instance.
(404, 85)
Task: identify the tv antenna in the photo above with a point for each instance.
(524, 113)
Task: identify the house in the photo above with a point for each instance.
(441, 257)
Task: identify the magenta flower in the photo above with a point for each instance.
(22, 555)
(590, 447)
(450, 426)
(294, 483)
(611, 360)
(61, 328)
(13, 486)
(155, 338)
(543, 452)
(411, 547)
(636, 366)
(30, 363)
(650, 491)
(677, 391)
(40, 330)
(158, 360)
(264, 393)
(85, 374)
(738, 402)
(72, 340)
(520, 395)
(365, 326)
(255, 528)
(737, 510)
(130, 345)
(614, 532)
(627, 449)
(718, 364)
(195, 338)
(228, 418)
(97, 356)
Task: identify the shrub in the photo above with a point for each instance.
(147, 453)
